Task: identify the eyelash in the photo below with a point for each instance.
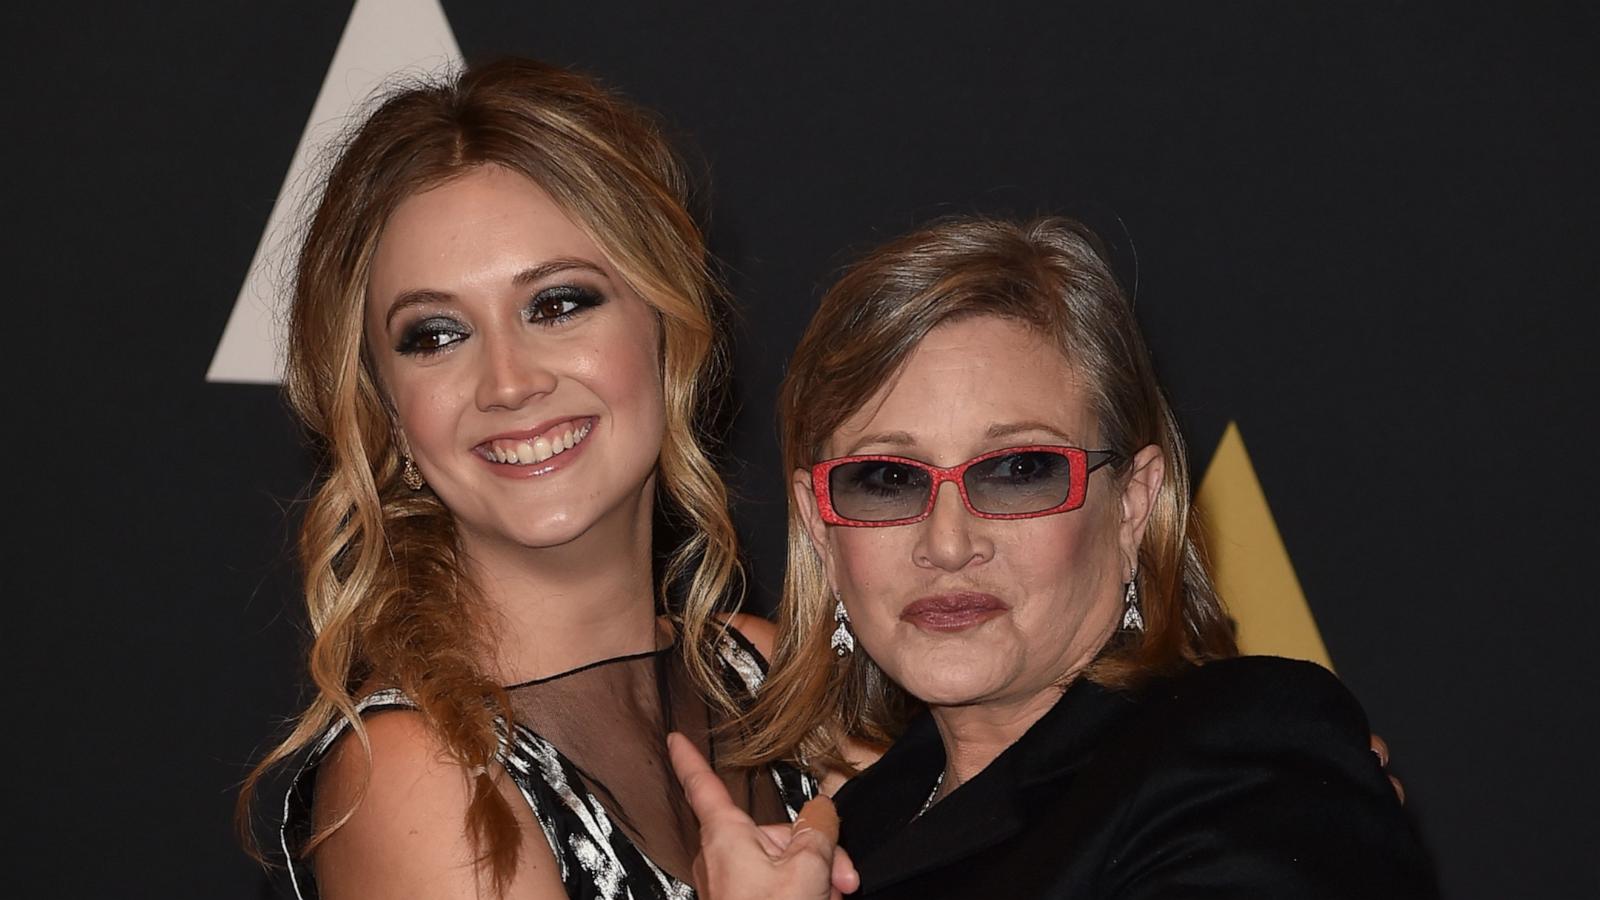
(581, 298)
(411, 342)
(572, 299)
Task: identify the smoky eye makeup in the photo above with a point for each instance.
(548, 307)
(430, 335)
(559, 303)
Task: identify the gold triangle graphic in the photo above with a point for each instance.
(1254, 574)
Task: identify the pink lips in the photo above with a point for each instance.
(528, 434)
(953, 612)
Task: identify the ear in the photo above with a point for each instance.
(1139, 496)
(805, 500)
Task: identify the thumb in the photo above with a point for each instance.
(846, 880)
(819, 815)
(815, 832)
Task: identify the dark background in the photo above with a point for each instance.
(1364, 231)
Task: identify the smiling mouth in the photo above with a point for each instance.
(537, 449)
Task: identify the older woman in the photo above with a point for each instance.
(993, 566)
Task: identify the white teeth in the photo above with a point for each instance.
(536, 450)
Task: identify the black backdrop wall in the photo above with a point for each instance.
(1364, 231)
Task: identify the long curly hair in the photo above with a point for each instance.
(386, 586)
(1050, 275)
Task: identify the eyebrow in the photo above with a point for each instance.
(1011, 429)
(530, 275)
(994, 432)
(892, 438)
(546, 269)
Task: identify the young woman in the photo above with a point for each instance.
(503, 339)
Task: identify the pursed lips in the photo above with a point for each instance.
(953, 611)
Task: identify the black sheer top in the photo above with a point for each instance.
(587, 751)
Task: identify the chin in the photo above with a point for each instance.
(941, 682)
(547, 530)
(554, 532)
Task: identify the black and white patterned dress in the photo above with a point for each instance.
(587, 753)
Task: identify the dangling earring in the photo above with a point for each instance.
(1132, 620)
(843, 642)
(409, 474)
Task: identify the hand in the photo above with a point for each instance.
(1380, 749)
(739, 859)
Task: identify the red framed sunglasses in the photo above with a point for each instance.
(1012, 483)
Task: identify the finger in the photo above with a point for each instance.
(1381, 749)
(806, 867)
(819, 815)
(846, 880)
(707, 795)
(775, 838)
(1399, 789)
(815, 834)
(702, 877)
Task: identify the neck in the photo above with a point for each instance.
(975, 735)
(552, 609)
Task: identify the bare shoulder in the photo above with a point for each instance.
(406, 835)
(758, 631)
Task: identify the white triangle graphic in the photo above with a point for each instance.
(383, 38)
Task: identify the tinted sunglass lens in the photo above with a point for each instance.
(878, 491)
(1023, 482)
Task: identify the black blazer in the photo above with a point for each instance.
(1244, 778)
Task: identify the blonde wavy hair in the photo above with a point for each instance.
(1050, 275)
(386, 588)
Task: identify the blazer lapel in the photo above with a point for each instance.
(890, 843)
(887, 838)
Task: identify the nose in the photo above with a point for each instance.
(511, 374)
(952, 538)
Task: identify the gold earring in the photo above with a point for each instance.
(409, 474)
